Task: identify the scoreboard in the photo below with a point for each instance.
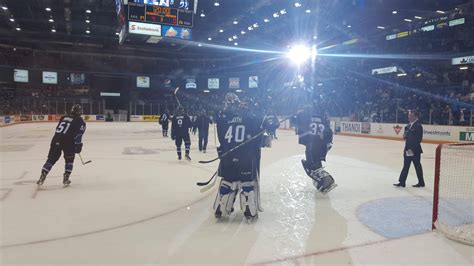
(160, 15)
(178, 4)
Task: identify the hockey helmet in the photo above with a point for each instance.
(76, 110)
(180, 110)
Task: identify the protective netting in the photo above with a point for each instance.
(455, 216)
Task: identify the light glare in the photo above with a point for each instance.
(299, 54)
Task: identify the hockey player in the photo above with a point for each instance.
(180, 125)
(237, 124)
(270, 124)
(315, 134)
(202, 123)
(68, 140)
(164, 122)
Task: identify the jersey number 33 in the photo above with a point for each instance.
(317, 129)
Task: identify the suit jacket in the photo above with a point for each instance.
(202, 123)
(413, 136)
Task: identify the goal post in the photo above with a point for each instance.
(453, 197)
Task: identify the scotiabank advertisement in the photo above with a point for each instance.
(144, 28)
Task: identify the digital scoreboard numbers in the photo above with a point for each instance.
(178, 4)
(161, 15)
(185, 18)
(136, 12)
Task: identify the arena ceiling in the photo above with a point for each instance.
(91, 25)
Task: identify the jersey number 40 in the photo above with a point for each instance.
(63, 127)
(235, 134)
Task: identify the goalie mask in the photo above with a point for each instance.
(232, 101)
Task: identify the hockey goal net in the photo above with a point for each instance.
(453, 201)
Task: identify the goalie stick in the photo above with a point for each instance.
(241, 144)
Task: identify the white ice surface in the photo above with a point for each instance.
(136, 204)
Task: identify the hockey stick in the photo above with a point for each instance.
(215, 135)
(82, 160)
(257, 190)
(201, 184)
(241, 144)
(175, 93)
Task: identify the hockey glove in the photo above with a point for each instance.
(78, 148)
(329, 146)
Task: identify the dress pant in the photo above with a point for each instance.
(406, 166)
(203, 138)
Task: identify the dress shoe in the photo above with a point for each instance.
(419, 185)
(399, 185)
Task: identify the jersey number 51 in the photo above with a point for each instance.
(63, 127)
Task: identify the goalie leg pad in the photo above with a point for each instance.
(225, 197)
(309, 167)
(248, 199)
(323, 180)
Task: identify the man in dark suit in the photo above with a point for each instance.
(412, 152)
(202, 124)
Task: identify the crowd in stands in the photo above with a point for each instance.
(387, 98)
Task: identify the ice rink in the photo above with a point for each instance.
(137, 204)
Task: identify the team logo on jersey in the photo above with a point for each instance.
(397, 129)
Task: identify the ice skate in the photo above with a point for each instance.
(248, 216)
(218, 213)
(66, 180)
(41, 179)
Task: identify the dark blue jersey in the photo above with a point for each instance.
(70, 130)
(233, 128)
(271, 123)
(180, 125)
(313, 128)
(164, 119)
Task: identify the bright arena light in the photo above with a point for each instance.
(299, 54)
